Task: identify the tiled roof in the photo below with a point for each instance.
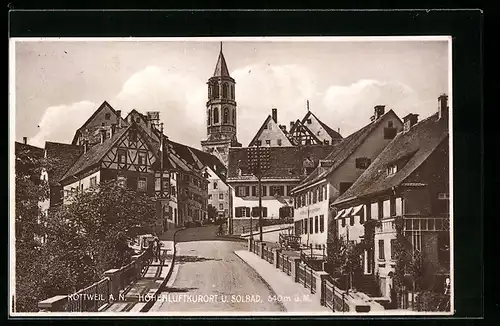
(342, 150)
(37, 151)
(65, 155)
(285, 162)
(101, 107)
(412, 147)
(94, 154)
(332, 133)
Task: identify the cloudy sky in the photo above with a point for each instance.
(58, 85)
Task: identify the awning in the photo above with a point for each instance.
(347, 212)
(339, 213)
(357, 210)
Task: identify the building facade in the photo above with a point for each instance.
(287, 167)
(408, 183)
(337, 172)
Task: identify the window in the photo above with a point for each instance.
(374, 210)
(221, 196)
(321, 223)
(122, 156)
(288, 190)
(380, 210)
(93, 181)
(137, 119)
(209, 116)
(234, 117)
(343, 222)
(268, 142)
(215, 185)
(132, 136)
(381, 253)
(254, 190)
(279, 142)
(327, 142)
(142, 184)
(393, 206)
(242, 191)
(278, 190)
(215, 89)
(316, 224)
(309, 121)
(226, 115)
(232, 92)
(157, 184)
(224, 90)
(311, 225)
(386, 208)
(351, 220)
(265, 126)
(172, 189)
(264, 191)
(392, 169)
(210, 196)
(362, 162)
(122, 180)
(103, 124)
(107, 116)
(399, 207)
(221, 207)
(242, 211)
(393, 246)
(142, 158)
(390, 124)
(216, 115)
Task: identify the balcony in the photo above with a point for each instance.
(426, 224)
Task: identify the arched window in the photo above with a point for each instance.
(232, 92)
(209, 91)
(224, 90)
(216, 115)
(215, 90)
(226, 115)
(234, 117)
(209, 116)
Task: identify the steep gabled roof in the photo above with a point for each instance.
(96, 153)
(300, 124)
(33, 150)
(221, 66)
(342, 150)
(286, 162)
(413, 147)
(99, 109)
(261, 129)
(65, 155)
(332, 133)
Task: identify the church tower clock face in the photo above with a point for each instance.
(221, 111)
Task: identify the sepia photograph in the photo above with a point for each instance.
(231, 176)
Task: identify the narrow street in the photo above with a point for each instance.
(210, 277)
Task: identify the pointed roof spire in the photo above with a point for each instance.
(221, 66)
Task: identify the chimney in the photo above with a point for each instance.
(119, 118)
(291, 125)
(25, 140)
(409, 121)
(338, 130)
(275, 114)
(113, 129)
(443, 106)
(379, 111)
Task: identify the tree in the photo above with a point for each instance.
(212, 212)
(84, 238)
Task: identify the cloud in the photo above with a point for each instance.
(261, 87)
(350, 107)
(59, 123)
(180, 99)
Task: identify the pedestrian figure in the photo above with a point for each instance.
(157, 248)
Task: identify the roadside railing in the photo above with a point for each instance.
(98, 295)
(317, 281)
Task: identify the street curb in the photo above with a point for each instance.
(150, 303)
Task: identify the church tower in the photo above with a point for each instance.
(221, 116)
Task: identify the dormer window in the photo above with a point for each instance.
(107, 116)
(392, 169)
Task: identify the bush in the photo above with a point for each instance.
(432, 301)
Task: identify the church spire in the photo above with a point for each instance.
(221, 66)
